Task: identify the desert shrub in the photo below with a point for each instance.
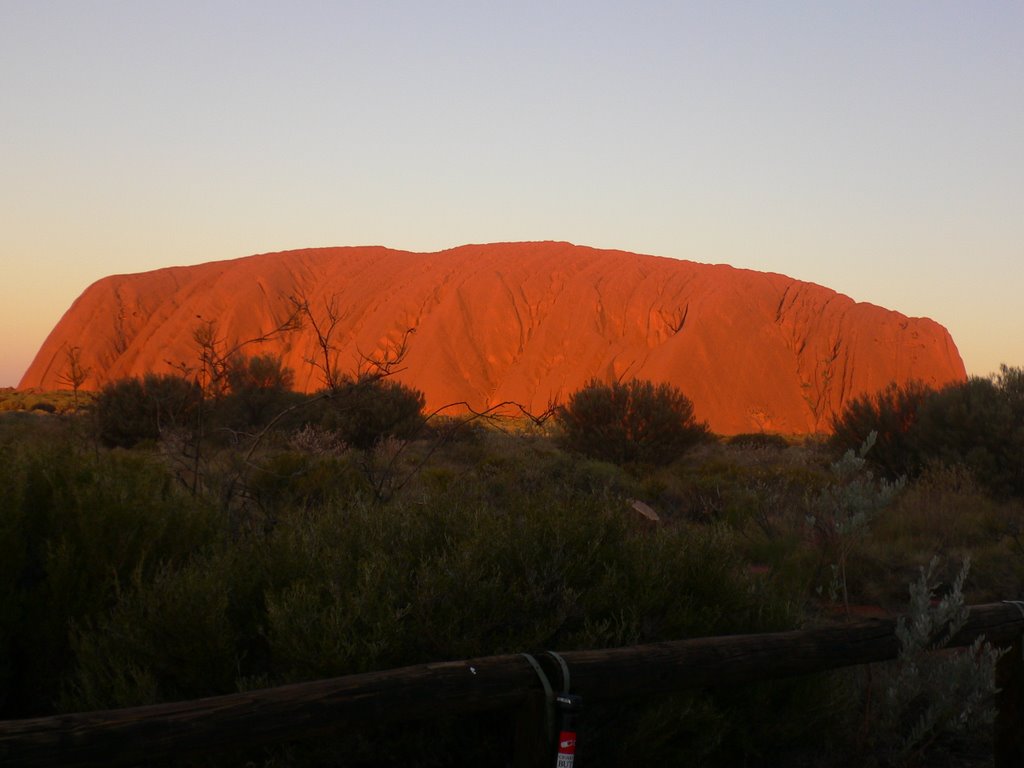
(131, 410)
(22, 429)
(944, 510)
(259, 388)
(510, 546)
(763, 440)
(349, 586)
(925, 700)
(597, 478)
(760, 496)
(635, 422)
(466, 431)
(169, 637)
(892, 415)
(10, 399)
(259, 372)
(49, 402)
(366, 410)
(289, 480)
(980, 425)
(74, 528)
(738, 484)
(123, 414)
(977, 424)
(533, 570)
(841, 513)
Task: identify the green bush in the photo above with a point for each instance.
(118, 588)
(636, 422)
(350, 586)
(48, 402)
(170, 636)
(259, 372)
(893, 415)
(129, 411)
(75, 529)
(366, 410)
(762, 440)
(924, 702)
(979, 424)
(259, 389)
(289, 480)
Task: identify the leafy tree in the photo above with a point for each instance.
(633, 422)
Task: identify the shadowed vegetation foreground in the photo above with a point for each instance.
(261, 537)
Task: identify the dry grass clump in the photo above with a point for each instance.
(946, 513)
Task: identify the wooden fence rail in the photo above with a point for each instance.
(291, 712)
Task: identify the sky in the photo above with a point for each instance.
(876, 148)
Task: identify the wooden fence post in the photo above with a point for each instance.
(138, 735)
(531, 747)
(1008, 739)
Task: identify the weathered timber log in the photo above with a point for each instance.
(269, 716)
(1008, 730)
(710, 661)
(287, 713)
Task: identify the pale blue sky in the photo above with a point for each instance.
(873, 147)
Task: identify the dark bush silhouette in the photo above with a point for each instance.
(893, 415)
(129, 411)
(977, 424)
(259, 389)
(259, 372)
(760, 440)
(366, 410)
(633, 422)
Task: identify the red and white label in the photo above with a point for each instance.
(566, 749)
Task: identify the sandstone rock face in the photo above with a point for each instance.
(523, 322)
